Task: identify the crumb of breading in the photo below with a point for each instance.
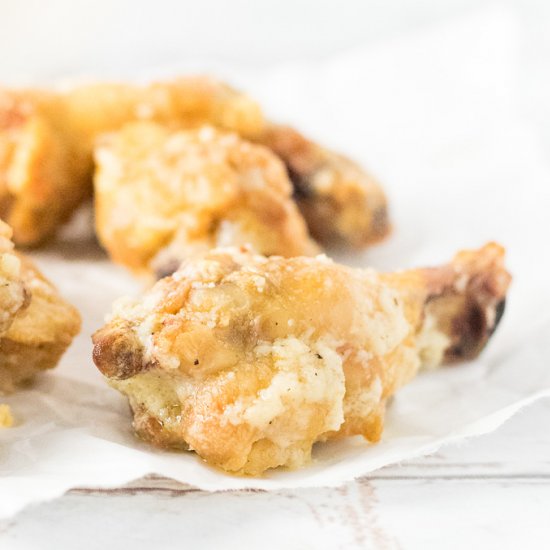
(6, 418)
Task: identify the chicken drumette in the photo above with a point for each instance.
(162, 196)
(250, 360)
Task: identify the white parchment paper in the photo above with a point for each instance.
(434, 116)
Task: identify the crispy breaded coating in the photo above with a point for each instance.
(163, 195)
(46, 142)
(36, 325)
(250, 360)
(13, 292)
(44, 166)
(339, 200)
(47, 138)
(185, 102)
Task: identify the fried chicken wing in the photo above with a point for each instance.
(44, 167)
(36, 324)
(339, 200)
(14, 295)
(249, 360)
(185, 102)
(47, 138)
(162, 196)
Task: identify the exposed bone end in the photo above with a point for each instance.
(465, 303)
(118, 353)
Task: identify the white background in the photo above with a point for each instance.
(493, 492)
(50, 39)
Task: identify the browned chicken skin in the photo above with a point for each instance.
(47, 138)
(45, 165)
(36, 324)
(162, 196)
(339, 200)
(250, 360)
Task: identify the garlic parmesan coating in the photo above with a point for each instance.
(162, 196)
(36, 324)
(47, 139)
(249, 360)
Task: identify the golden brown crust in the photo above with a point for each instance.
(119, 354)
(46, 142)
(164, 195)
(40, 328)
(250, 360)
(46, 139)
(338, 199)
(186, 102)
(14, 295)
(44, 169)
